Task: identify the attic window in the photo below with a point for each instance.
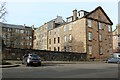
(81, 14)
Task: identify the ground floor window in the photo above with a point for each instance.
(90, 50)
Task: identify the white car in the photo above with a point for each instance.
(31, 59)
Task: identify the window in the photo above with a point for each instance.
(65, 48)
(70, 27)
(22, 37)
(70, 19)
(55, 31)
(65, 39)
(30, 43)
(54, 48)
(3, 36)
(109, 28)
(54, 40)
(58, 48)
(90, 50)
(100, 49)
(118, 37)
(65, 28)
(110, 50)
(70, 49)
(26, 32)
(89, 36)
(49, 41)
(8, 36)
(58, 39)
(89, 23)
(30, 37)
(9, 30)
(81, 14)
(99, 25)
(21, 43)
(58, 30)
(118, 44)
(70, 38)
(110, 39)
(50, 32)
(22, 31)
(100, 37)
(4, 29)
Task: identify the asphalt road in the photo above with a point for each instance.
(94, 70)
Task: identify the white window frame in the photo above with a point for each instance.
(89, 23)
(100, 37)
(90, 50)
(109, 38)
(89, 36)
(99, 24)
(70, 27)
(100, 49)
(110, 50)
(65, 38)
(64, 28)
(55, 31)
(70, 48)
(70, 37)
(58, 30)
(109, 28)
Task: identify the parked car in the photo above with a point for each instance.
(116, 55)
(31, 59)
(113, 60)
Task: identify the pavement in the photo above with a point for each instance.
(19, 63)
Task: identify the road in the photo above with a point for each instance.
(94, 70)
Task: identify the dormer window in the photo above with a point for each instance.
(81, 13)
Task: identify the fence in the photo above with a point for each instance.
(15, 53)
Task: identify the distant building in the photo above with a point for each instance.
(41, 33)
(17, 36)
(87, 32)
(116, 39)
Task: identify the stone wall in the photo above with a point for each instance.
(15, 53)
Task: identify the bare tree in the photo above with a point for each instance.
(3, 11)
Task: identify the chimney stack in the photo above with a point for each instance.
(33, 27)
(53, 24)
(24, 25)
(74, 14)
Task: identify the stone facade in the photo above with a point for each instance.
(74, 36)
(78, 37)
(17, 36)
(40, 34)
(116, 39)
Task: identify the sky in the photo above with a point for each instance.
(37, 12)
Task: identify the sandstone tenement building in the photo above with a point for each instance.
(89, 33)
(41, 34)
(17, 36)
(84, 32)
(116, 39)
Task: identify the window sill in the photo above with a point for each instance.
(90, 40)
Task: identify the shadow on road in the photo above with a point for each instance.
(43, 65)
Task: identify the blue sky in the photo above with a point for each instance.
(37, 13)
